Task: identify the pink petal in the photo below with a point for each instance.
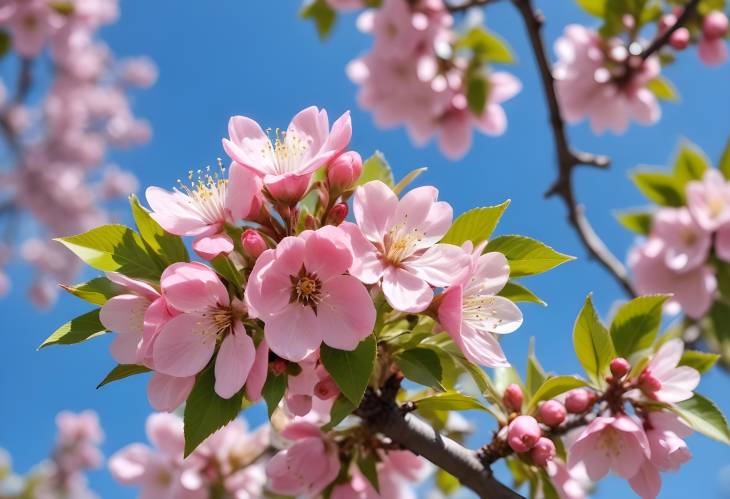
(124, 347)
(128, 466)
(374, 207)
(310, 124)
(646, 482)
(233, 363)
(366, 265)
(441, 265)
(182, 348)
(503, 86)
(341, 133)
(165, 431)
(327, 252)
(174, 216)
(293, 333)
(243, 187)
(483, 348)
(247, 140)
(300, 430)
(209, 247)
(406, 292)
(454, 138)
(259, 371)
(167, 393)
(493, 121)
(191, 287)
(136, 286)
(450, 311)
(722, 243)
(347, 315)
(124, 314)
(414, 207)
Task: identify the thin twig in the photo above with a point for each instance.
(469, 4)
(661, 40)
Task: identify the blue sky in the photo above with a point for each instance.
(257, 58)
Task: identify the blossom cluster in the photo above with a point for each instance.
(63, 473)
(58, 144)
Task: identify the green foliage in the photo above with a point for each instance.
(690, 164)
(475, 225)
(206, 411)
(660, 188)
(449, 401)
(593, 7)
(724, 164)
(704, 417)
(446, 482)
(527, 256)
(701, 361)
(552, 387)
(636, 324)
(114, 248)
(367, 465)
(410, 177)
(517, 293)
(535, 373)
(376, 168)
(5, 43)
(96, 291)
(123, 371)
(227, 269)
(340, 410)
(592, 343)
(168, 248)
(322, 14)
(273, 390)
(76, 330)
(636, 221)
(663, 89)
(477, 92)
(422, 366)
(351, 370)
(486, 46)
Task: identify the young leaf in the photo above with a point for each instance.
(422, 366)
(405, 181)
(114, 248)
(227, 269)
(527, 256)
(661, 188)
(724, 164)
(535, 376)
(593, 7)
(96, 291)
(123, 371)
(477, 91)
(704, 417)
(554, 386)
(76, 330)
(636, 324)
(636, 221)
(486, 46)
(592, 343)
(376, 168)
(350, 370)
(663, 89)
(517, 293)
(446, 482)
(167, 247)
(475, 225)
(449, 401)
(701, 361)
(322, 14)
(273, 391)
(340, 410)
(690, 164)
(206, 412)
(368, 467)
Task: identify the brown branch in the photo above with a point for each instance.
(568, 158)
(469, 4)
(661, 40)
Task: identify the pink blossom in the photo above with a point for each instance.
(709, 200)
(568, 482)
(300, 293)
(139, 71)
(543, 452)
(610, 442)
(31, 23)
(286, 164)
(307, 466)
(586, 86)
(344, 171)
(79, 436)
(312, 382)
(346, 4)
(676, 383)
(513, 397)
(686, 243)
(472, 313)
(712, 46)
(395, 242)
(166, 393)
(397, 472)
(204, 208)
(692, 290)
(186, 343)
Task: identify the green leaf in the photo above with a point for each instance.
(592, 343)
(636, 221)
(449, 401)
(114, 248)
(701, 361)
(554, 386)
(475, 225)
(636, 324)
(535, 375)
(690, 164)
(322, 14)
(206, 411)
(5, 43)
(483, 382)
(517, 293)
(422, 366)
(376, 168)
(724, 164)
(527, 256)
(227, 269)
(350, 370)
(167, 247)
(123, 371)
(704, 417)
(446, 482)
(96, 291)
(661, 188)
(593, 7)
(505, 376)
(340, 410)
(412, 175)
(63, 8)
(477, 91)
(486, 46)
(273, 391)
(663, 89)
(368, 467)
(76, 330)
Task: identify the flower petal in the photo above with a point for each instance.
(346, 315)
(293, 333)
(167, 393)
(406, 292)
(233, 363)
(374, 207)
(182, 348)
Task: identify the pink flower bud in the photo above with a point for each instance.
(326, 389)
(543, 452)
(579, 400)
(524, 432)
(680, 38)
(253, 243)
(289, 188)
(338, 213)
(715, 25)
(552, 412)
(513, 397)
(344, 171)
(278, 367)
(620, 367)
(648, 383)
(666, 22)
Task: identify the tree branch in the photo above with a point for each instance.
(468, 4)
(569, 159)
(661, 40)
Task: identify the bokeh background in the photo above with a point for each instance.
(227, 57)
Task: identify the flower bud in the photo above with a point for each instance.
(344, 171)
(513, 397)
(679, 40)
(253, 244)
(666, 22)
(543, 452)
(579, 400)
(648, 383)
(715, 25)
(338, 214)
(524, 432)
(552, 412)
(326, 389)
(620, 367)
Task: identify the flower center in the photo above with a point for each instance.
(399, 245)
(689, 237)
(306, 289)
(285, 151)
(610, 443)
(716, 206)
(480, 308)
(216, 322)
(207, 193)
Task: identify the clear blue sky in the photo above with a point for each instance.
(257, 58)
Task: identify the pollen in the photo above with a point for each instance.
(285, 151)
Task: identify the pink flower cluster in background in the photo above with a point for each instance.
(55, 148)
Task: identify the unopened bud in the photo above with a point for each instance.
(344, 171)
(326, 389)
(715, 25)
(523, 434)
(579, 400)
(649, 383)
(679, 40)
(552, 412)
(666, 22)
(513, 397)
(620, 367)
(337, 214)
(253, 244)
(542, 452)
